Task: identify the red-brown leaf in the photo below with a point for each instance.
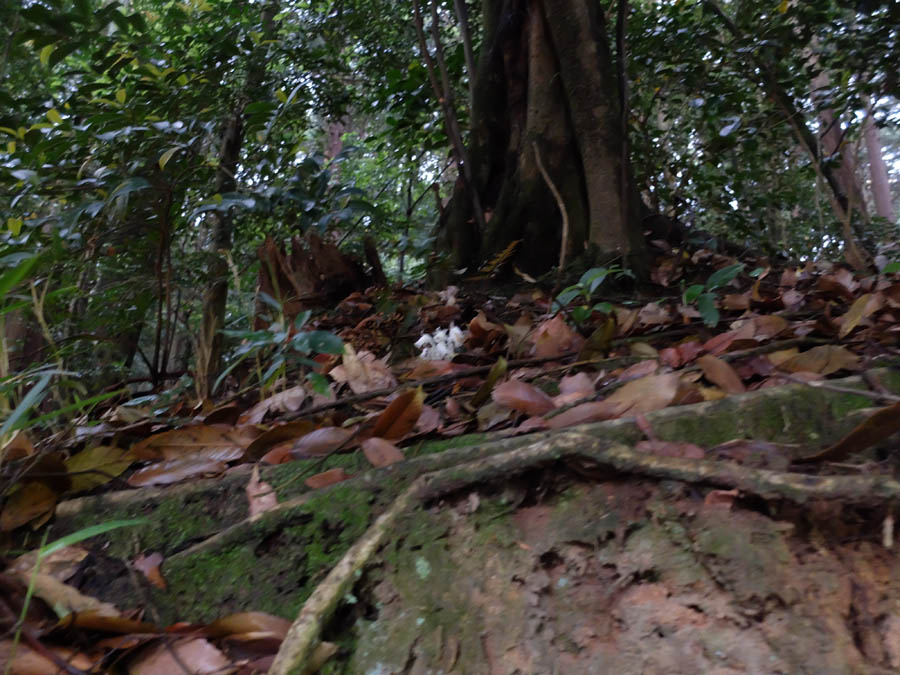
(522, 397)
(401, 415)
(380, 452)
(326, 478)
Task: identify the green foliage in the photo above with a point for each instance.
(584, 291)
(279, 349)
(704, 294)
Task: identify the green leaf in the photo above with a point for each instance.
(14, 225)
(34, 396)
(319, 383)
(723, 276)
(706, 305)
(166, 156)
(54, 116)
(581, 313)
(121, 95)
(567, 295)
(45, 54)
(10, 278)
(891, 268)
(593, 278)
(87, 533)
(692, 293)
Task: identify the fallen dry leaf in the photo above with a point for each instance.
(148, 565)
(322, 441)
(864, 306)
(824, 359)
(176, 470)
(362, 372)
(17, 447)
(97, 466)
(288, 400)
(579, 383)
(249, 622)
(199, 656)
(522, 397)
(326, 478)
(646, 394)
(554, 338)
(277, 435)
(190, 440)
(261, 497)
(721, 373)
(380, 452)
(594, 411)
(28, 662)
(401, 415)
(34, 501)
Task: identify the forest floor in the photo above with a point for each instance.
(624, 485)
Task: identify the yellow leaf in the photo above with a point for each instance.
(54, 116)
(45, 54)
(858, 311)
(14, 225)
(121, 95)
(7, 130)
(281, 96)
(21, 133)
(166, 156)
(783, 7)
(10, 147)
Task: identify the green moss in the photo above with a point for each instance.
(271, 567)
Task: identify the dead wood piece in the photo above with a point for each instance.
(303, 635)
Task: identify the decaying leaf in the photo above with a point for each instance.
(97, 466)
(176, 470)
(401, 415)
(522, 397)
(198, 655)
(33, 503)
(148, 565)
(824, 359)
(594, 411)
(322, 441)
(326, 478)
(362, 372)
(721, 373)
(261, 496)
(647, 393)
(249, 622)
(554, 337)
(380, 452)
(187, 441)
(277, 435)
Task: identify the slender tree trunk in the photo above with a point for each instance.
(214, 301)
(878, 173)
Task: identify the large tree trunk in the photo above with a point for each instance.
(545, 77)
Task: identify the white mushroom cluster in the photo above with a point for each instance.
(442, 345)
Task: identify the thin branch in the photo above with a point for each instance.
(560, 203)
(445, 97)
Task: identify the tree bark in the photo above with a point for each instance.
(878, 173)
(545, 76)
(209, 355)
